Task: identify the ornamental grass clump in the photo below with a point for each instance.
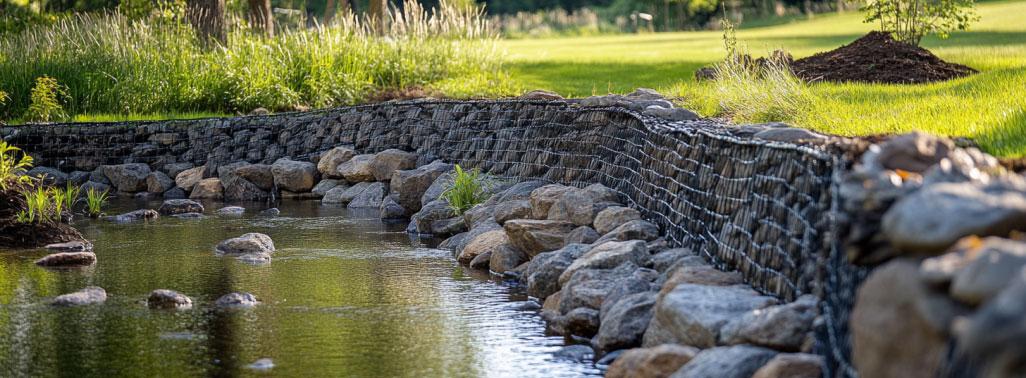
(468, 189)
(95, 201)
(13, 167)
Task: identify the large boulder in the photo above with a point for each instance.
(49, 176)
(189, 177)
(542, 275)
(129, 178)
(390, 209)
(324, 186)
(343, 194)
(693, 314)
(935, 217)
(537, 236)
(331, 159)
(542, 199)
(607, 256)
(887, 305)
(210, 189)
(434, 191)
(295, 176)
(581, 235)
(576, 206)
(370, 197)
(792, 365)
(258, 174)
(409, 186)
(487, 242)
(357, 169)
(624, 323)
(386, 162)
(505, 259)
(740, 361)
(158, 182)
(632, 230)
(180, 206)
(87, 296)
(590, 287)
(614, 216)
(67, 259)
(656, 362)
(783, 327)
(248, 243)
(459, 242)
(173, 169)
(994, 264)
(510, 210)
(423, 220)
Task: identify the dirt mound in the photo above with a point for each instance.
(878, 58)
(34, 235)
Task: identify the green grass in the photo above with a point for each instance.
(989, 107)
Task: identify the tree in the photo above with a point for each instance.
(909, 20)
(333, 5)
(260, 17)
(208, 17)
(377, 12)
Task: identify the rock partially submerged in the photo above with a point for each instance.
(168, 299)
(67, 259)
(251, 243)
(180, 206)
(134, 216)
(237, 300)
(87, 296)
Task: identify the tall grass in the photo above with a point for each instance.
(110, 64)
(468, 189)
(95, 201)
(12, 166)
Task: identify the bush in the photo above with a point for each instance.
(909, 20)
(13, 167)
(468, 189)
(46, 104)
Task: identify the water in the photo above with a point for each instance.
(345, 295)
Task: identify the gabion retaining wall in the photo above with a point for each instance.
(763, 208)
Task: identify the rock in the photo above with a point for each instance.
(478, 214)
(210, 189)
(994, 334)
(886, 305)
(386, 162)
(673, 114)
(542, 275)
(510, 210)
(541, 95)
(639, 281)
(506, 258)
(608, 256)
(158, 182)
(176, 193)
(343, 194)
(576, 353)
(49, 176)
(656, 362)
(790, 135)
(995, 264)
(574, 206)
(517, 192)
(410, 185)
(664, 260)
(323, 187)
(231, 210)
(581, 235)
(449, 226)
(390, 209)
(257, 174)
(582, 321)
(87, 296)
(97, 176)
(612, 217)
(590, 287)
(913, 152)
(542, 199)
(188, 216)
(133, 216)
(78, 177)
(740, 361)
(71, 246)
(439, 186)
(357, 169)
(180, 206)
(701, 274)
(935, 217)
(173, 169)
(239, 189)
(189, 177)
(633, 230)
(331, 159)
(247, 243)
(272, 212)
(370, 197)
(129, 178)
(487, 242)
(168, 299)
(783, 327)
(459, 245)
(67, 259)
(792, 365)
(693, 314)
(624, 324)
(237, 300)
(263, 364)
(421, 222)
(537, 236)
(481, 261)
(295, 176)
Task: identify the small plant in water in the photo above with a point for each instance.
(69, 196)
(13, 167)
(95, 200)
(39, 206)
(46, 105)
(468, 189)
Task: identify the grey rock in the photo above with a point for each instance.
(97, 176)
(790, 135)
(78, 177)
(541, 95)
(783, 327)
(94, 186)
(574, 206)
(295, 176)
(441, 184)
(633, 230)
(272, 212)
(542, 199)
(180, 206)
(478, 214)
(693, 314)
(237, 300)
(913, 152)
(231, 210)
(655, 362)
(189, 177)
(624, 324)
(665, 260)
(173, 169)
(390, 209)
(739, 361)
(590, 287)
(331, 159)
(420, 223)
(323, 187)
(158, 182)
(486, 242)
(995, 264)
(168, 299)
(67, 259)
(510, 210)
(537, 236)
(446, 227)
(581, 321)
(237, 188)
(542, 275)
(612, 217)
(607, 256)
(210, 189)
(258, 174)
(176, 193)
(517, 191)
(506, 258)
(188, 216)
(343, 194)
(71, 246)
(49, 176)
(672, 114)
(482, 261)
(386, 162)
(370, 197)
(993, 335)
(133, 216)
(576, 353)
(357, 169)
(409, 186)
(87, 296)
(792, 365)
(248, 243)
(129, 178)
(581, 235)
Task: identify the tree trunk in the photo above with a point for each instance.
(329, 12)
(377, 13)
(207, 16)
(260, 17)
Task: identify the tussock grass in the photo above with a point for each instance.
(112, 65)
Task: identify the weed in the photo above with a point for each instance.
(469, 188)
(95, 201)
(13, 167)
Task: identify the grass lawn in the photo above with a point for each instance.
(989, 107)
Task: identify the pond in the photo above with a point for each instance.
(345, 295)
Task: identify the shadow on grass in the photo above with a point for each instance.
(1007, 139)
(585, 79)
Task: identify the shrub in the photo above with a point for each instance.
(95, 201)
(468, 189)
(13, 167)
(909, 20)
(46, 105)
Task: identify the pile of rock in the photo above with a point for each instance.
(605, 276)
(942, 222)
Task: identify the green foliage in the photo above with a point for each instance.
(13, 167)
(155, 10)
(112, 64)
(468, 189)
(42, 205)
(95, 201)
(45, 103)
(909, 20)
(69, 195)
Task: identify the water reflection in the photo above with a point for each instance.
(345, 295)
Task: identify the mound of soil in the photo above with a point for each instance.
(21, 235)
(878, 58)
